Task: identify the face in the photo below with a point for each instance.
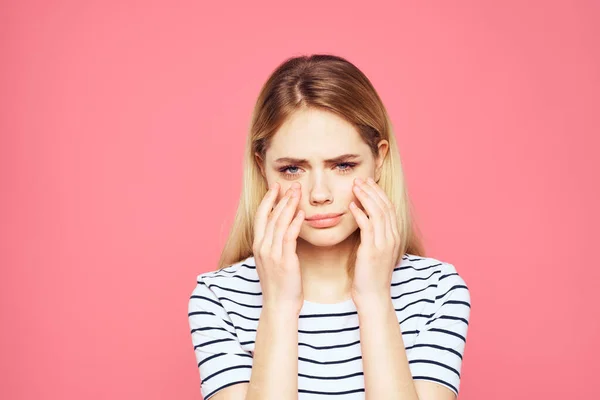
(324, 153)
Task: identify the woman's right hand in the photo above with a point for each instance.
(275, 233)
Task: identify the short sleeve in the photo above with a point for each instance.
(222, 361)
(437, 353)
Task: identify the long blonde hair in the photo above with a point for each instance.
(333, 84)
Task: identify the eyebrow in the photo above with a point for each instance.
(303, 161)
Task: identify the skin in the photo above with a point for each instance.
(316, 135)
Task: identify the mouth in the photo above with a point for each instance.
(325, 221)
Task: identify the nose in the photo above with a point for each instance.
(319, 192)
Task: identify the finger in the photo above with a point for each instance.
(291, 236)
(382, 196)
(262, 213)
(391, 213)
(395, 224)
(284, 219)
(363, 222)
(370, 190)
(386, 204)
(268, 238)
(397, 229)
(375, 213)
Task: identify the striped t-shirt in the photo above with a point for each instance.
(431, 300)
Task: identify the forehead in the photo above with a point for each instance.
(315, 134)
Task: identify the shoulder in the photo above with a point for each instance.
(226, 287)
(220, 344)
(441, 277)
(437, 351)
(233, 275)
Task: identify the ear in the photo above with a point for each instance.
(260, 163)
(382, 149)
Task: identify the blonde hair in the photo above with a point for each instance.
(333, 84)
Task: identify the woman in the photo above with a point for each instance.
(323, 287)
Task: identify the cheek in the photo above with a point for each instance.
(351, 195)
(282, 189)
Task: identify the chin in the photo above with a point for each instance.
(325, 237)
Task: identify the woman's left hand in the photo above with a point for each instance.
(380, 241)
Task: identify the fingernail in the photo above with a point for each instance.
(370, 180)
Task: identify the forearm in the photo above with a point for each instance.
(386, 372)
(275, 362)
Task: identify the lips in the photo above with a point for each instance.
(324, 220)
(323, 216)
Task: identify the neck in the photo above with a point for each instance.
(325, 277)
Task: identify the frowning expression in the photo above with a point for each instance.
(324, 153)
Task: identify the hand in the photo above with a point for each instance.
(274, 247)
(380, 241)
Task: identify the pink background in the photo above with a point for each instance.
(122, 132)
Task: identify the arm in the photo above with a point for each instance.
(227, 371)
(427, 370)
(385, 365)
(436, 355)
(275, 370)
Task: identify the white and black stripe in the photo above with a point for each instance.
(431, 300)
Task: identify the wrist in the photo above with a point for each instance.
(368, 302)
(280, 311)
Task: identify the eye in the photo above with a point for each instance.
(349, 166)
(290, 171)
(286, 173)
